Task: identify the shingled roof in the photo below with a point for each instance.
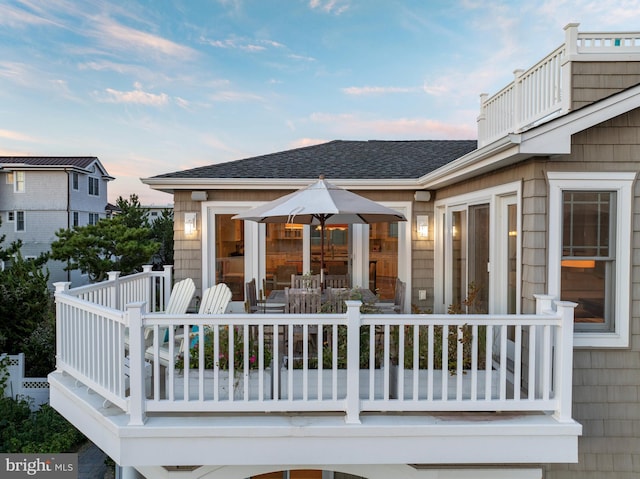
(341, 159)
(61, 161)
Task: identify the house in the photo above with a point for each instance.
(536, 221)
(40, 195)
(155, 211)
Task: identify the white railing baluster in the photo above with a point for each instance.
(91, 346)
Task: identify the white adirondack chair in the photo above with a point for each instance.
(181, 296)
(215, 299)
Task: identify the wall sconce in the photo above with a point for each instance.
(190, 223)
(422, 226)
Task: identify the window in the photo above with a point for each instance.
(94, 218)
(94, 186)
(11, 216)
(20, 221)
(74, 180)
(76, 220)
(589, 252)
(9, 177)
(19, 181)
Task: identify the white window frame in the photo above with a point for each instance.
(495, 198)
(17, 222)
(20, 182)
(11, 216)
(94, 186)
(75, 220)
(75, 181)
(622, 184)
(9, 179)
(94, 218)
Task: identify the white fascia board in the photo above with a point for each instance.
(173, 184)
(551, 138)
(554, 137)
(471, 164)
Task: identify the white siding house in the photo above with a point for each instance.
(40, 195)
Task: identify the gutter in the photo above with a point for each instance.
(172, 184)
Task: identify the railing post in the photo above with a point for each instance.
(137, 392)
(61, 287)
(570, 53)
(543, 303)
(353, 362)
(518, 111)
(482, 121)
(113, 276)
(564, 361)
(166, 284)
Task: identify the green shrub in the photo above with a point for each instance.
(40, 431)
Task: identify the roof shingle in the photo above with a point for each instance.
(341, 159)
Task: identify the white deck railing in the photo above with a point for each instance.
(312, 363)
(543, 91)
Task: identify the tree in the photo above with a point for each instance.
(162, 232)
(27, 304)
(122, 243)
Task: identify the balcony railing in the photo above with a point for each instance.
(543, 91)
(280, 363)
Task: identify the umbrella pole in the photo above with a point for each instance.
(322, 252)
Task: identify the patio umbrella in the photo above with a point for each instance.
(321, 203)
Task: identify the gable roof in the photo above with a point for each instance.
(372, 159)
(82, 163)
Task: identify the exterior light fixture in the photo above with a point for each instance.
(190, 223)
(422, 226)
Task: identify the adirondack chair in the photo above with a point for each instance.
(215, 299)
(179, 300)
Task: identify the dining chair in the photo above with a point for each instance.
(251, 297)
(397, 306)
(302, 300)
(335, 298)
(305, 281)
(282, 276)
(337, 281)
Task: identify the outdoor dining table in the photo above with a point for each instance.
(276, 298)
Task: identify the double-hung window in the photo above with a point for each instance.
(589, 252)
(20, 221)
(94, 186)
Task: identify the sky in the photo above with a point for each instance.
(156, 86)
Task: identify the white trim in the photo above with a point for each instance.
(622, 184)
(442, 256)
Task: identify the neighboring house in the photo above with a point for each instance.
(155, 211)
(40, 195)
(546, 202)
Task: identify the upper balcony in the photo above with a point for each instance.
(267, 389)
(544, 91)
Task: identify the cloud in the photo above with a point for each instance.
(14, 135)
(115, 35)
(302, 142)
(137, 96)
(235, 96)
(336, 7)
(377, 90)
(16, 18)
(242, 44)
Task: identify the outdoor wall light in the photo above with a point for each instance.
(190, 223)
(422, 226)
